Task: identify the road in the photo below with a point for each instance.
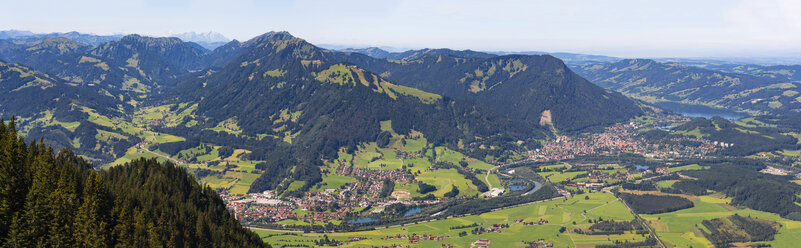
(160, 155)
(273, 230)
(486, 178)
(643, 221)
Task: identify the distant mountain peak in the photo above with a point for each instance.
(210, 36)
(56, 40)
(637, 61)
(158, 43)
(140, 38)
(9, 34)
(60, 44)
(271, 37)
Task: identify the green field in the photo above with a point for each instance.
(413, 145)
(752, 122)
(363, 157)
(680, 228)
(133, 154)
(331, 180)
(447, 155)
(444, 179)
(493, 180)
(557, 177)
(242, 183)
(229, 126)
(559, 213)
(666, 183)
(164, 114)
(791, 153)
(687, 167)
(386, 161)
(558, 167)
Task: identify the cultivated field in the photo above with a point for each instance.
(682, 228)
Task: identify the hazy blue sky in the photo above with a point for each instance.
(621, 28)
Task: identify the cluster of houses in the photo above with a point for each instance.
(621, 138)
(356, 238)
(538, 222)
(658, 171)
(258, 206)
(326, 216)
(494, 228)
(361, 193)
(673, 149)
(414, 238)
(331, 204)
(775, 171)
(615, 138)
(539, 243)
(587, 185)
(396, 175)
(623, 175)
(143, 144)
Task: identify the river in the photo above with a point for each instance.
(537, 186)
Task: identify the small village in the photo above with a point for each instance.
(314, 207)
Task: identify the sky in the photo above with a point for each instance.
(625, 28)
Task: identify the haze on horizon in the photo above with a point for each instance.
(627, 28)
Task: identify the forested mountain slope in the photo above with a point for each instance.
(534, 88)
(285, 96)
(136, 64)
(63, 113)
(59, 200)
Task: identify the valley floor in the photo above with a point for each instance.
(676, 229)
(569, 213)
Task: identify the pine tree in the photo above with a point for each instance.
(66, 199)
(141, 226)
(124, 230)
(92, 228)
(13, 175)
(31, 226)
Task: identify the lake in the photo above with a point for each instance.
(412, 211)
(700, 110)
(363, 220)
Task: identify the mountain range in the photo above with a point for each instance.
(19, 36)
(746, 88)
(208, 40)
(290, 103)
